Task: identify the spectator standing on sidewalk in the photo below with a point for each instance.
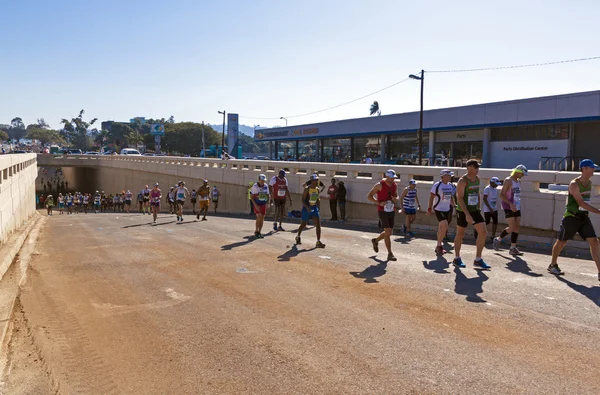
(332, 191)
(341, 199)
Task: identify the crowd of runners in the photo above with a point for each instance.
(472, 208)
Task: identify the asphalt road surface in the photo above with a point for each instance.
(115, 305)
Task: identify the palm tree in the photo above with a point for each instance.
(375, 108)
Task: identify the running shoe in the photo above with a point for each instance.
(496, 244)
(514, 251)
(204, 219)
(281, 229)
(411, 234)
(391, 257)
(256, 234)
(298, 240)
(481, 264)
(180, 219)
(458, 262)
(198, 216)
(275, 226)
(439, 250)
(260, 236)
(404, 228)
(375, 245)
(319, 244)
(554, 269)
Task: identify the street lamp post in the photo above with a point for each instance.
(285, 120)
(422, 79)
(223, 140)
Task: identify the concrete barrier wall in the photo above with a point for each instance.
(542, 209)
(17, 191)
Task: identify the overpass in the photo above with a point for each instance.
(542, 208)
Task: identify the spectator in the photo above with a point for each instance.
(368, 160)
(332, 191)
(341, 199)
(42, 199)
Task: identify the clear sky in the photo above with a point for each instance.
(118, 59)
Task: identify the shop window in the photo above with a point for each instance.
(286, 150)
(530, 132)
(337, 150)
(403, 149)
(307, 151)
(366, 147)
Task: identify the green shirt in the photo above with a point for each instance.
(471, 195)
(572, 208)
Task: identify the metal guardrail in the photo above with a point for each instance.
(560, 163)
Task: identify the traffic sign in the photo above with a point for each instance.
(157, 129)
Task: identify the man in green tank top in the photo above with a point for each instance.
(468, 212)
(577, 217)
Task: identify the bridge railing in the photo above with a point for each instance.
(17, 192)
(542, 208)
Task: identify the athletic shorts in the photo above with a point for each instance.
(410, 211)
(443, 215)
(155, 204)
(180, 202)
(215, 201)
(128, 202)
(204, 203)
(576, 224)
(61, 205)
(314, 212)
(491, 217)
(512, 214)
(386, 220)
(146, 199)
(279, 202)
(259, 209)
(193, 200)
(461, 218)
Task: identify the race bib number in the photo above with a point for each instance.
(156, 200)
(281, 192)
(473, 200)
(389, 206)
(313, 198)
(262, 196)
(410, 203)
(447, 196)
(180, 196)
(493, 203)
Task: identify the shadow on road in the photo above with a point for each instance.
(592, 293)
(518, 265)
(292, 253)
(470, 287)
(371, 273)
(438, 266)
(228, 247)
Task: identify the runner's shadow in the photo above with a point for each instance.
(518, 265)
(305, 229)
(438, 266)
(137, 225)
(470, 287)
(592, 293)
(371, 273)
(164, 223)
(229, 247)
(292, 253)
(403, 240)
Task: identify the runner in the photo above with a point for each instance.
(181, 194)
(409, 197)
(86, 202)
(577, 217)
(49, 204)
(146, 193)
(128, 199)
(155, 196)
(171, 200)
(61, 204)
(260, 199)
(77, 202)
(140, 201)
(104, 202)
(441, 201)
(278, 187)
(215, 195)
(193, 199)
(97, 201)
(332, 191)
(310, 209)
(204, 199)
(511, 203)
(490, 212)
(115, 201)
(69, 200)
(385, 194)
(468, 212)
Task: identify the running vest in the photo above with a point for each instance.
(204, 192)
(313, 196)
(155, 196)
(180, 194)
(263, 194)
(443, 196)
(279, 188)
(61, 199)
(386, 194)
(97, 199)
(50, 202)
(471, 196)
(129, 196)
(514, 196)
(194, 194)
(215, 195)
(572, 208)
(410, 199)
(86, 199)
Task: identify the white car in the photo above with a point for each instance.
(130, 151)
(91, 153)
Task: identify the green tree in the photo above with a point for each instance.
(3, 135)
(17, 129)
(76, 131)
(375, 108)
(44, 136)
(186, 138)
(119, 133)
(134, 138)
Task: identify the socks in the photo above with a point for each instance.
(513, 237)
(504, 233)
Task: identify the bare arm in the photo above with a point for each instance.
(371, 195)
(460, 195)
(485, 201)
(430, 204)
(574, 191)
(305, 198)
(504, 192)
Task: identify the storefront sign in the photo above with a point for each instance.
(508, 154)
(463, 135)
(306, 132)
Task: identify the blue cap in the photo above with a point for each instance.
(587, 163)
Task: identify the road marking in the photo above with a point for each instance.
(175, 298)
(324, 257)
(588, 274)
(244, 270)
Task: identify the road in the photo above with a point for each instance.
(114, 305)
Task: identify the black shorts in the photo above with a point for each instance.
(193, 200)
(386, 220)
(128, 202)
(461, 218)
(576, 224)
(512, 214)
(180, 202)
(443, 215)
(146, 199)
(279, 202)
(491, 217)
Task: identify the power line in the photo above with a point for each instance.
(515, 66)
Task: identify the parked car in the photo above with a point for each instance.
(73, 151)
(261, 158)
(19, 151)
(92, 153)
(130, 151)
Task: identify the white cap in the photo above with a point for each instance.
(262, 177)
(391, 174)
(446, 172)
(495, 180)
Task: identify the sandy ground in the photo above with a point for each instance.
(115, 305)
